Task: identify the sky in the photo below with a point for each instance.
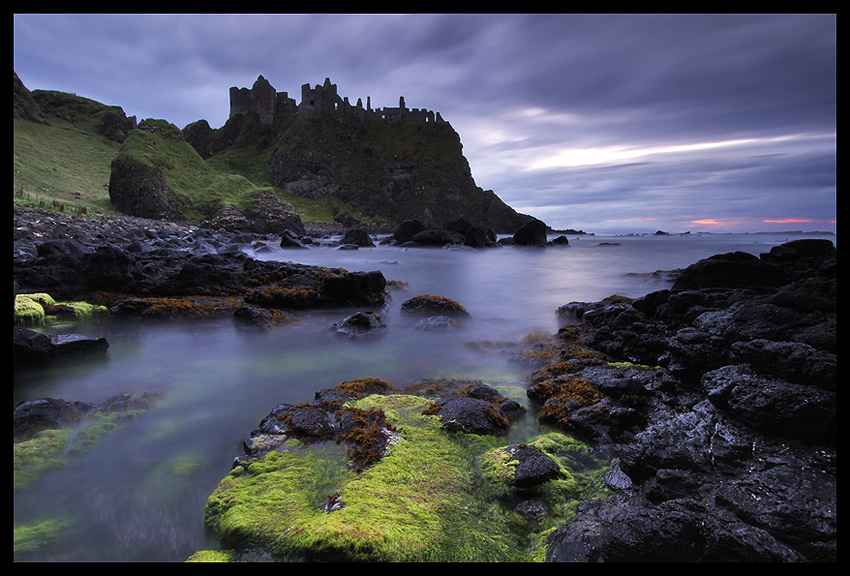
(601, 122)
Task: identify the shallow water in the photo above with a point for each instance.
(140, 495)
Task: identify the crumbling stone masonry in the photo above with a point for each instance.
(267, 103)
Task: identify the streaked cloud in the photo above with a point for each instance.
(640, 122)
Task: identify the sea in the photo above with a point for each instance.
(139, 494)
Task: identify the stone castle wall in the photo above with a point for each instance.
(267, 103)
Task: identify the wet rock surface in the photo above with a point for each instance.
(716, 399)
(111, 259)
(327, 419)
(34, 348)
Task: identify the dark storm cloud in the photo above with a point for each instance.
(635, 116)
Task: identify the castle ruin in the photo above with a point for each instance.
(267, 103)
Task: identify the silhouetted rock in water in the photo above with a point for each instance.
(532, 233)
(289, 240)
(358, 237)
(407, 230)
(435, 237)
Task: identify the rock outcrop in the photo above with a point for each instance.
(391, 171)
(716, 399)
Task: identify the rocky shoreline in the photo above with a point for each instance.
(714, 400)
(725, 449)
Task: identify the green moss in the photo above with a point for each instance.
(35, 309)
(29, 311)
(428, 499)
(32, 537)
(51, 449)
(213, 556)
(43, 452)
(59, 162)
(633, 365)
(194, 186)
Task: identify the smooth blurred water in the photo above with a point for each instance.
(140, 495)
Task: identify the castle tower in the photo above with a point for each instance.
(263, 99)
(260, 98)
(322, 98)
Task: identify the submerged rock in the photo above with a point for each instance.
(360, 324)
(49, 432)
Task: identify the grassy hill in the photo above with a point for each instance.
(64, 145)
(58, 165)
(69, 151)
(61, 162)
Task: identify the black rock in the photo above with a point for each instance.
(726, 447)
(358, 238)
(289, 240)
(34, 348)
(407, 230)
(472, 415)
(534, 467)
(360, 324)
(435, 237)
(732, 270)
(300, 421)
(532, 233)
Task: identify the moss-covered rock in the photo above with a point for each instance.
(213, 556)
(40, 308)
(428, 498)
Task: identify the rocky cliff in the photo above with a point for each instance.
(391, 171)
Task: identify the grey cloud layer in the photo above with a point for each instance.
(519, 89)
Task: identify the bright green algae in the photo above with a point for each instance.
(49, 450)
(31, 309)
(435, 496)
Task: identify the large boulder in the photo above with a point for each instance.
(142, 190)
(732, 270)
(35, 348)
(532, 233)
(407, 230)
(358, 237)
